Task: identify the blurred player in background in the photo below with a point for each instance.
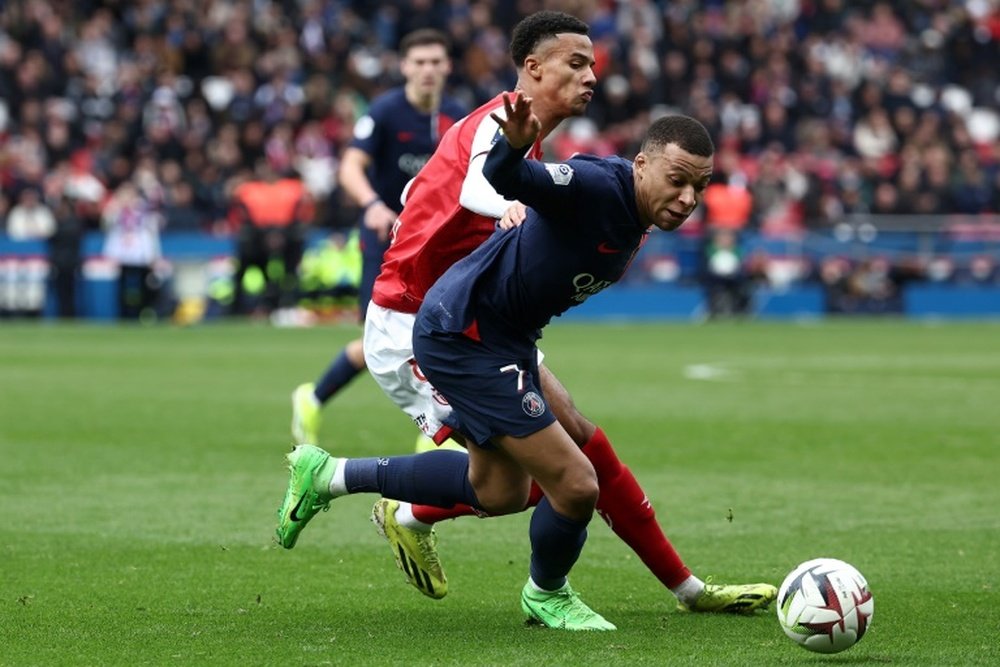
(450, 210)
(391, 143)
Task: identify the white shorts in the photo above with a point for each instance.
(388, 344)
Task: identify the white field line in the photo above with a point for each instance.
(708, 372)
(916, 371)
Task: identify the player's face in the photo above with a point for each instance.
(425, 68)
(669, 184)
(564, 70)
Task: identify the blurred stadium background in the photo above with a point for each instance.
(858, 166)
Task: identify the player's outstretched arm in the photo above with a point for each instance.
(556, 191)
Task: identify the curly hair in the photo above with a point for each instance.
(689, 134)
(538, 27)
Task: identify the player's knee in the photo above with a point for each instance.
(356, 353)
(497, 499)
(576, 494)
(503, 502)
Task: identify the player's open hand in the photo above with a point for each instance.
(513, 216)
(521, 126)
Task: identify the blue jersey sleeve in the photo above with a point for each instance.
(554, 190)
(368, 129)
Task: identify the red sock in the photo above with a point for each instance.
(534, 495)
(430, 515)
(624, 506)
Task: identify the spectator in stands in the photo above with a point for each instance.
(777, 191)
(30, 218)
(88, 90)
(885, 201)
(874, 136)
(180, 212)
(132, 240)
(970, 190)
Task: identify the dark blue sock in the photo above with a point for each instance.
(439, 478)
(340, 372)
(556, 542)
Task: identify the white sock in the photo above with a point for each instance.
(531, 582)
(689, 589)
(405, 518)
(338, 487)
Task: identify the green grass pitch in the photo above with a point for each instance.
(141, 469)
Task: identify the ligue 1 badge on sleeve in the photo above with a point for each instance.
(561, 174)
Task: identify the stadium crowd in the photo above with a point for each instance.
(820, 108)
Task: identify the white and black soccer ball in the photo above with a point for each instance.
(824, 605)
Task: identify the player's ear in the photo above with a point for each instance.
(533, 66)
(639, 164)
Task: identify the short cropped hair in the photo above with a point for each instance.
(423, 37)
(689, 135)
(536, 28)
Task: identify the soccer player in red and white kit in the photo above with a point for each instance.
(449, 210)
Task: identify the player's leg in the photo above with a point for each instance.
(625, 507)
(558, 528)
(388, 351)
(309, 398)
(495, 399)
(623, 504)
(441, 478)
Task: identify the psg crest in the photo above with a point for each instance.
(533, 405)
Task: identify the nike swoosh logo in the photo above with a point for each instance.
(294, 516)
(605, 249)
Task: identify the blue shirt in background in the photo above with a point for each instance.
(400, 139)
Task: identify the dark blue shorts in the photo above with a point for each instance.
(491, 392)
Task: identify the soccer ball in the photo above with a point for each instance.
(824, 605)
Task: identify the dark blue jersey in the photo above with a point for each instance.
(400, 139)
(581, 232)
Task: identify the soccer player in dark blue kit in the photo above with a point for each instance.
(391, 143)
(475, 338)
